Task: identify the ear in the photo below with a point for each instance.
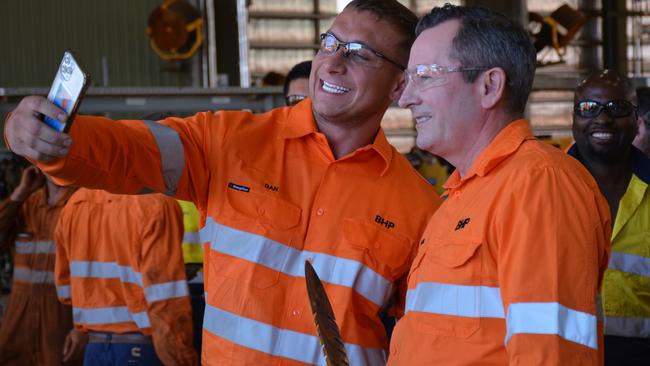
(398, 87)
(492, 84)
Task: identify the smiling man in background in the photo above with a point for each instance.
(604, 126)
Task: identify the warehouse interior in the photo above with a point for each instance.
(222, 50)
(180, 57)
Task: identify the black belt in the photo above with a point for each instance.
(95, 337)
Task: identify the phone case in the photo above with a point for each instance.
(60, 96)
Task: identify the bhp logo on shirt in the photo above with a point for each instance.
(461, 224)
(381, 221)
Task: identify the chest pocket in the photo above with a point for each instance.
(272, 214)
(454, 297)
(386, 252)
(273, 223)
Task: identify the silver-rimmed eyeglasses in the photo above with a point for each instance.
(357, 52)
(425, 76)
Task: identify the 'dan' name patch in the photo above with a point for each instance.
(238, 187)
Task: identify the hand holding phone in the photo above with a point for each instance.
(69, 86)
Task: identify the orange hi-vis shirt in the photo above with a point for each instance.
(34, 245)
(119, 263)
(274, 196)
(511, 263)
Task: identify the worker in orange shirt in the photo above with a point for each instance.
(35, 325)
(317, 181)
(511, 263)
(119, 263)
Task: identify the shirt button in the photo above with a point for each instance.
(320, 212)
(260, 211)
(295, 312)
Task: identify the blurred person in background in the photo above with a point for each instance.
(296, 84)
(119, 263)
(35, 328)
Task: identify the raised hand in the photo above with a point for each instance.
(28, 136)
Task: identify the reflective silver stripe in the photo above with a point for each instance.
(63, 291)
(280, 342)
(630, 263)
(485, 302)
(125, 274)
(141, 319)
(552, 318)
(172, 155)
(627, 326)
(191, 238)
(165, 291)
(29, 247)
(458, 300)
(27, 275)
(110, 315)
(290, 261)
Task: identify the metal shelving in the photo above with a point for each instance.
(279, 37)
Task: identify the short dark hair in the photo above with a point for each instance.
(394, 13)
(298, 71)
(489, 39)
(643, 97)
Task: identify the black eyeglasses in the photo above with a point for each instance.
(294, 99)
(614, 108)
(356, 52)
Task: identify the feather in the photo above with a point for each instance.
(328, 330)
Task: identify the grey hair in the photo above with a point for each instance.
(488, 39)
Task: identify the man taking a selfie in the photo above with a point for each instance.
(318, 182)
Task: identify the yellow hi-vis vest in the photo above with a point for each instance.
(626, 285)
(192, 247)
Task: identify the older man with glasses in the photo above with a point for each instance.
(315, 182)
(510, 264)
(604, 126)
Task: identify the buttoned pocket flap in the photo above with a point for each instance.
(454, 255)
(270, 211)
(388, 248)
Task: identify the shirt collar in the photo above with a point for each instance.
(506, 142)
(640, 162)
(300, 122)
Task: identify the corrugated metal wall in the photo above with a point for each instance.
(34, 34)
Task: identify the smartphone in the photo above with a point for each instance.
(69, 86)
